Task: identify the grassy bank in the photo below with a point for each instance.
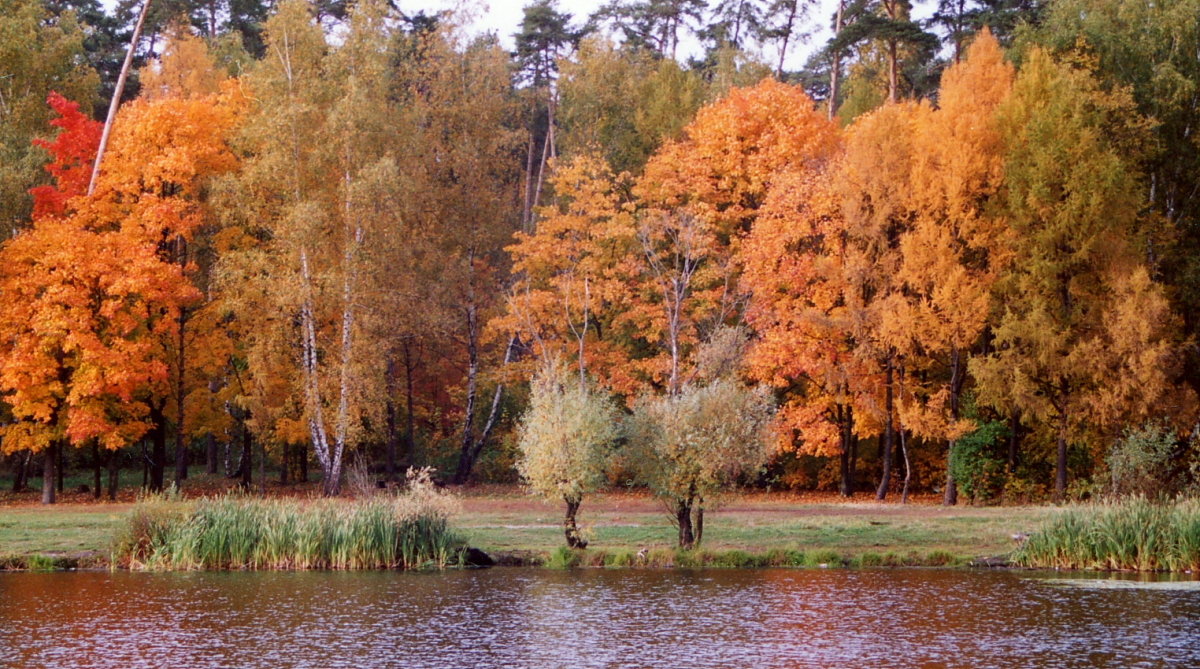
(1132, 535)
(631, 529)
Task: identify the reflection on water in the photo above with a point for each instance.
(591, 618)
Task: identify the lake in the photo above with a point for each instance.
(514, 617)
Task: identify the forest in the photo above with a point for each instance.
(953, 255)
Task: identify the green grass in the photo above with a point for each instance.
(624, 530)
(834, 534)
(59, 530)
(1133, 535)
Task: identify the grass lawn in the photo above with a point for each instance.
(508, 521)
(501, 519)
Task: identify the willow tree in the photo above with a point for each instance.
(566, 439)
(1067, 350)
(692, 445)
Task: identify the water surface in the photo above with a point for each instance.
(596, 618)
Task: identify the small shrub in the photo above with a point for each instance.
(976, 462)
(778, 557)
(621, 558)
(40, 563)
(1139, 462)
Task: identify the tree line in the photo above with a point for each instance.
(956, 252)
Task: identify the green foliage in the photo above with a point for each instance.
(976, 463)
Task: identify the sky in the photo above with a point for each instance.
(503, 16)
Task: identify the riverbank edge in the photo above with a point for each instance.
(565, 558)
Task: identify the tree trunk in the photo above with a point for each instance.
(907, 467)
(98, 466)
(893, 75)
(393, 436)
(683, 516)
(285, 465)
(49, 464)
(885, 478)
(1014, 440)
(836, 66)
(246, 467)
(950, 494)
(210, 454)
(698, 524)
(114, 473)
(158, 454)
(471, 445)
(846, 421)
(262, 468)
(21, 471)
(1060, 463)
(302, 456)
(181, 454)
(116, 98)
(569, 527)
(410, 446)
(60, 469)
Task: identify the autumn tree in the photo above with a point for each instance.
(566, 437)
(795, 264)
(461, 130)
(42, 53)
(324, 193)
(1067, 351)
(956, 247)
(623, 104)
(1149, 48)
(570, 290)
(90, 296)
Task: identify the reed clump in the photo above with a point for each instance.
(404, 531)
(1133, 534)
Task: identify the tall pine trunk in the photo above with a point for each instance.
(950, 495)
(1060, 461)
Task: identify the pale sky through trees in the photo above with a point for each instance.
(504, 16)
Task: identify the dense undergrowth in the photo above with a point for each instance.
(1133, 534)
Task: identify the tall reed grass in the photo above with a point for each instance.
(406, 531)
(1133, 534)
